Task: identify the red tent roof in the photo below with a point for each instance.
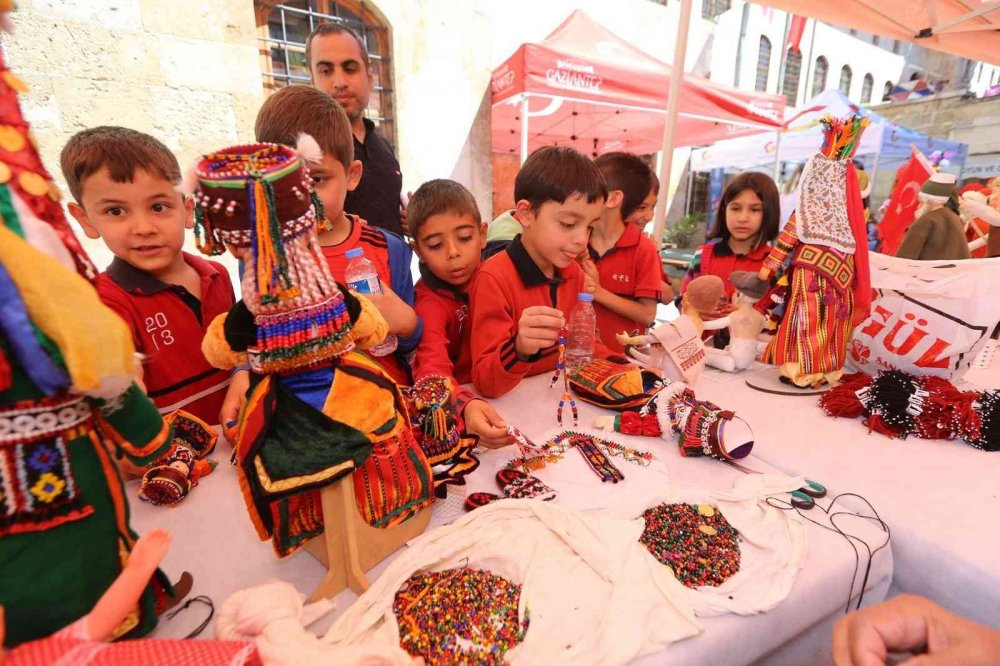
(589, 88)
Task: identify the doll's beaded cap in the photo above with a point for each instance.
(259, 198)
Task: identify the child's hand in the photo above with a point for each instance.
(236, 397)
(537, 329)
(148, 551)
(765, 273)
(482, 418)
(591, 278)
(402, 319)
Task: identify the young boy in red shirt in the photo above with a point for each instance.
(123, 183)
(621, 259)
(449, 236)
(522, 296)
(296, 110)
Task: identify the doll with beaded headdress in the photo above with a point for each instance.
(824, 245)
(317, 408)
(68, 407)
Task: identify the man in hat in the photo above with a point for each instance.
(938, 232)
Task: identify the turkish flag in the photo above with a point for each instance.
(904, 201)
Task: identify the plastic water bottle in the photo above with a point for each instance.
(581, 334)
(361, 276)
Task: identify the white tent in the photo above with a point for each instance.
(886, 144)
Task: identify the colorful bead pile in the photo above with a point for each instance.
(458, 616)
(695, 541)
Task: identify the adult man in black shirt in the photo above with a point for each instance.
(339, 66)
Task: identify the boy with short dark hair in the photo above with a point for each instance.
(449, 236)
(623, 261)
(296, 110)
(123, 183)
(522, 297)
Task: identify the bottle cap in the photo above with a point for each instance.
(355, 252)
(586, 298)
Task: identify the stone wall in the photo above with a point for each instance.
(185, 71)
(972, 121)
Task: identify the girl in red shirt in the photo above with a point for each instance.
(745, 225)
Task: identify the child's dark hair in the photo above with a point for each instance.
(763, 186)
(554, 173)
(440, 196)
(298, 109)
(626, 172)
(121, 150)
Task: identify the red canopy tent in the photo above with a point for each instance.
(585, 87)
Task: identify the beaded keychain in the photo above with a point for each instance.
(566, 394)
(598, 462)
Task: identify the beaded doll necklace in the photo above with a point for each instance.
(567, 395)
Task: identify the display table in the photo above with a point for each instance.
(940, 498)
(214, 540)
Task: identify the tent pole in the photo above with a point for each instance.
(524, 128)
(673, 104)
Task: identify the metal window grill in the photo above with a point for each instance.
(284, 46)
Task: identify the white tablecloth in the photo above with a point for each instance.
(941, 499)
(214, 540)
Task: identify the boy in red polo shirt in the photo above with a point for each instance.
(296, 110)
(622, 260)
(124, 184)
(449, 237)
(522, 296)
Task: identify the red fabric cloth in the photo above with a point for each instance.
(862, 285)
(149, 652)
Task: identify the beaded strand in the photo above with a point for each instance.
(567, 395)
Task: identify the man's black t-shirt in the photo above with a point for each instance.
(376, 198)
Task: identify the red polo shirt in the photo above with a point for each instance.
(505, 285)
(631, 269)
(376, 245)
(168, 324)
(444, 348)
(716, 258)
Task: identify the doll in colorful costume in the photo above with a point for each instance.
(825, 245)
(68, 407)
(317, 408)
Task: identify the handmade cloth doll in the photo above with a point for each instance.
(825, 244)
(68, 406)
(744, 323)
(703, 428)
(937, 233)
(676, 347)
(317, 409)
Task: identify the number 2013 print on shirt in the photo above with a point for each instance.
(159, 334)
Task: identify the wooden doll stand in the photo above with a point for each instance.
(349, 546)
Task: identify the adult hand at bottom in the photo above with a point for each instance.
(909, 623)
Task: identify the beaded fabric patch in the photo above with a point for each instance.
(37, 487)
(459, 616)
(695, 541)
